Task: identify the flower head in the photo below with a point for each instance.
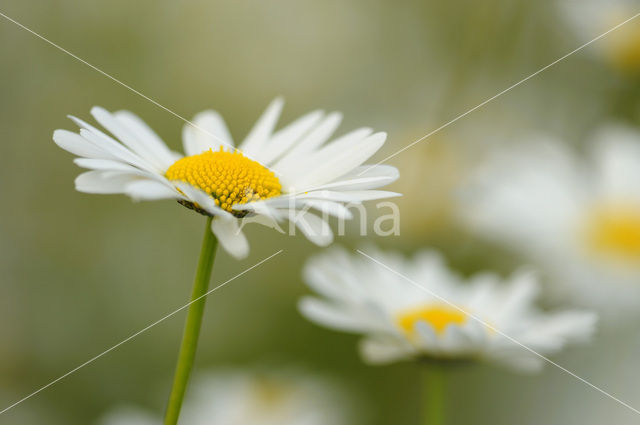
(271, 176)
(591, 18)
(578, 218)
(433, 313)
(244, 398)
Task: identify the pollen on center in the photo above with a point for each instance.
(228, 177)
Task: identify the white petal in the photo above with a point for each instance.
(314, 228)
(295, 166)
(553, 331)
(125, 415)
(113, 148)
(293, 200)
(154, 144)
(231, 237)
(330, 208)
(259, 135)
(455, 340)
(208, 131)
(283, 139)
(329, 315)
(372, 176)
(616, 151)
(142, 147)
(367, 195)
(379, 350)
(107, 165)
(518, 297)
(77, 145)
(148, 190)
(320, 275)
(329, 167)
(311, 141)
(104, 182)
(319, 135)
(266, 220)
(428, 336)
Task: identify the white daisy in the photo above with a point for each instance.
(243, 398)
(578, 218)
(590, 18)
(269, 177)
(433, 313)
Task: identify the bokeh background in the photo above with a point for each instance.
(79, 273)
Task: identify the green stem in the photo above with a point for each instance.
(192, 326)
(433, 393)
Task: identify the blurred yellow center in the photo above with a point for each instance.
(437, 316)
(616, 231)
(623, 46)
(228, 177)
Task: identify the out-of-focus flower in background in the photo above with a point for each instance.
(242, 397)
(579, 218)
(590, 18)
(430, 173)
(277, 175)
(435, 313)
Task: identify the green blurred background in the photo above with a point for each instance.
(80, 273)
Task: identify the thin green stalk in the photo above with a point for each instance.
(192, 326)
(433, 393)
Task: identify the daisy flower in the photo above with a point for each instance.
(434, 313)
(590, 18)
(577, 217)
(246, 398)
(269, 177)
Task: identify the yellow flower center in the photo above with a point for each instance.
(616, 230)
(438, 316)
(623, 47)
(228, 177)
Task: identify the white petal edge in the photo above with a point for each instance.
(206, 131)
(104, 182)
(145, 134)
(231, 237)
(329, 315)
(78, 145)
(380, 350)
(283, 139)
(313, 227)
(261, 131)
(142, 147)
(148, 190)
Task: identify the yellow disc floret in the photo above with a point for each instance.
(615, 230)
(438, 316)
(228, 177)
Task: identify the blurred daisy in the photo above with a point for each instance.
(272, 175)
(590, 18)
(243, 398)
(433, 313)
(579, 218)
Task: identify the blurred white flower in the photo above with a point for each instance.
(245, 398)
(271, 175)
(577, 217)
(590, 18)
(129, 415)
(436, 314)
